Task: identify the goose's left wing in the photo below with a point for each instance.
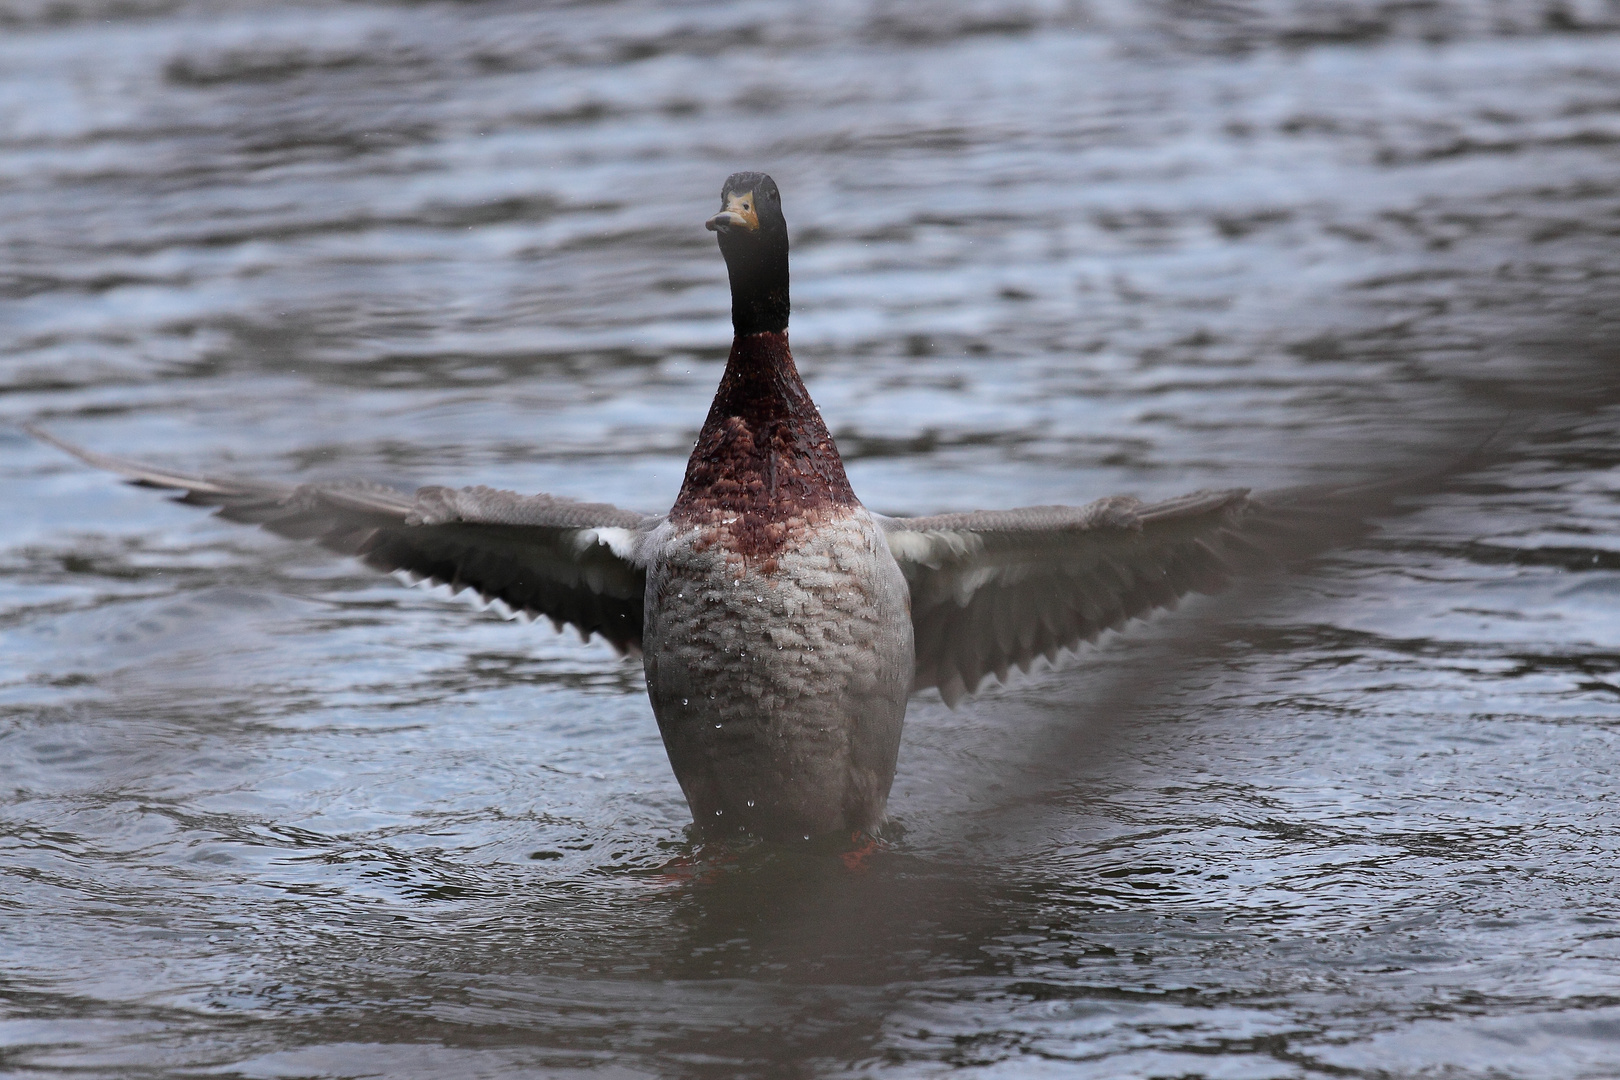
(992, 590)
(573, 562)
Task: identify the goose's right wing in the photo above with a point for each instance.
(572, 562)
(992, 590)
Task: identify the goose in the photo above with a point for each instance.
(782, 626)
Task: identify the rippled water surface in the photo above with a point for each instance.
(268, 815)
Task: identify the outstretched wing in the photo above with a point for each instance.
(993, 590)
(572, 562)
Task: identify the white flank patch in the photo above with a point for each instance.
(622, 542)
(933, 547)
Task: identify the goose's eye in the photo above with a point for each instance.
(745, 206)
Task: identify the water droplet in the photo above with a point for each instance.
(750, 802)
(717, 727)
(683, 701)
(717, 813)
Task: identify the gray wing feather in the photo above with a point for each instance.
(572, 562)
(994, 590)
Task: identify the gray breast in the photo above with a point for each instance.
(780, 683)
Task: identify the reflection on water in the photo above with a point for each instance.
(269, 816)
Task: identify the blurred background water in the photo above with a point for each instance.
(265, 814)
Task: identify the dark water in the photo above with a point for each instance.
(267, 815)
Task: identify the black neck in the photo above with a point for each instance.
(758, 266)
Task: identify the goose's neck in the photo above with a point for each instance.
(760, 298)
(764, 456)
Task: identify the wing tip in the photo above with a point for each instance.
(136, 472)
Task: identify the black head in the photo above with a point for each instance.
(753, 239)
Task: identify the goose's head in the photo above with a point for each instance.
(753, 238)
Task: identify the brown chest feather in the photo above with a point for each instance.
(765, 465)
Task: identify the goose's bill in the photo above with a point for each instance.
(739, 213)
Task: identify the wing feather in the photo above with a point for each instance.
(995, 590)
(575, 563)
